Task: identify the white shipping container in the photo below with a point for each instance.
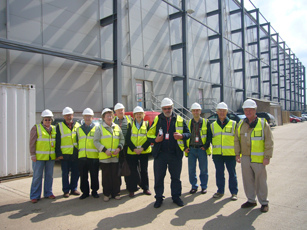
(17, 117)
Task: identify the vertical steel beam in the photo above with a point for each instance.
(221, 48)
(304, 86)
(278, 68)
(243, 51)
(290, 80)
(184, 55)
(270, 61)
(285, 74)
(258, 53)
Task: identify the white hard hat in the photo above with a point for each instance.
(195, 106)
(138, 109)
(119, 106)
(47, 113)
(221, 105)
(67, 110)
(166, 102)
(88, 111)
(106, 110)
(249, 103)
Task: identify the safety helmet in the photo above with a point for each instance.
(138, 109)
(106, 110)
(166, 102)
(67, 110)
(221, 105)
(88, 111)
(195, 106)
(47, 113)
(249, 103)
(119, 106)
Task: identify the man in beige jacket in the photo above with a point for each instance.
(254, 140)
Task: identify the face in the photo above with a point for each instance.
(138, 116)
(68, 118)
(250, 113)
(196, 113)
(167, 111)
(88, 119)
(47, 121)
(120, 113)
(108, 118)
(222, 113)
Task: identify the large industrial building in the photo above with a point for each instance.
(95, 53)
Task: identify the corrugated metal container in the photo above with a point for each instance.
(17, 116)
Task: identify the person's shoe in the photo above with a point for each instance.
(51, 197)
(131, 194)
(264, 208)
(179, 202)
(218, 195)
(83, 196)
(106, 198)
(193, 190)
(147, 192)
(248, 204)
(66, 194)
(76, 193)
(203, 191)
(34, 201)
(95, 195)
(158, 202)
(234, 197)
(117, 197)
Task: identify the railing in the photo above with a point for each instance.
(210, 104)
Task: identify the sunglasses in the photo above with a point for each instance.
(166, 108)
(48, 119)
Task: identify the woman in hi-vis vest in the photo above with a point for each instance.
(42, 150)
(109, 140)
(138, 151)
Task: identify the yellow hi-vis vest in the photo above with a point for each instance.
(45, 143)
(139, 137)
(128, 117)
(203, 134)
(257, 140)
(67, 138)
(223, 139)
(178, 126)
(109, 141)
(86, 144)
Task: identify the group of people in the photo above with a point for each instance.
(82, 149)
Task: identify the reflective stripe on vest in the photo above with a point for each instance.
(45, 143)
(178, 126)
(139, 137)
(67, 137)
(223, 139)
(109, 141)
(86, 144)
(203, 134)
(257, 140)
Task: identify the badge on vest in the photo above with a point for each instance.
(167, 136)
(196, 139)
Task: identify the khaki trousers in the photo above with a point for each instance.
(254, 181)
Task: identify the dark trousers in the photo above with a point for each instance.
(110, 179)
(72, 166)
(92, 166)
(132, 181)
(174, 164)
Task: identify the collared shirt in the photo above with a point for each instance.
(138, 125)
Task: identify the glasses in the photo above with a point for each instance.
(167, 108)
(48, 119)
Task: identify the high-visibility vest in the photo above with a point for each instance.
(128, 117)
(67, 138)
(257, 140)
(223, 139)
(86, 144)
(109, 141)
(139, 137)
(178, 126)
(45, 143)
(203, 134)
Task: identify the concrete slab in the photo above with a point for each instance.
(287, 193)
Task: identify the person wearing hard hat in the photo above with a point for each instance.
(42, 150)
(88, 158)
(67, 152)
(222, 133)
(138, 151)
(254, 141)
(198, 147)
(109, 140)
(168, 133)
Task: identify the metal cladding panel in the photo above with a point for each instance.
(17, 117)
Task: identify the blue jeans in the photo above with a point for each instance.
(40, 168)
(72, 166)
(201, 155)
(220, 177)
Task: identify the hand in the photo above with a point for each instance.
(159, 138)
(238, 158)
(137, 151)
(60, 158)
(177, 136)
(141, 150)
(202, 148)
(33, 158)
(187, 150)
(116, 151)
(266, 161)
(108, 152)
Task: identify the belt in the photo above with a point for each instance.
(195, 146)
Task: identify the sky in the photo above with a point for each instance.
(289, 19)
